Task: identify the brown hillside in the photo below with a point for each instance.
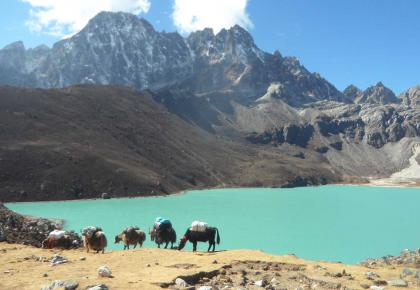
(81, 141)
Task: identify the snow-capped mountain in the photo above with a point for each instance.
(120, 48)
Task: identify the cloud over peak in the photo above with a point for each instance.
(192, 15)
(61, 17)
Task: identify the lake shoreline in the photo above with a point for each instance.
(332, 208)
(368, 183)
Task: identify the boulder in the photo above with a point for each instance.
(98, 287)
(261, 283)
(53, 285)
(371, 275)
(70, 285)
(104, 271)
(57, 260)
(406, 272)
(181, 282)
(398, 283)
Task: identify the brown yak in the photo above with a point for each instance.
(64, 242)
(97, 242)
(133, 237)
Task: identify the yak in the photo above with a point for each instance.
(210, 235)
(160, 236)
(97, 242)
(133, 237)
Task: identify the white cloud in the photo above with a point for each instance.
(192, 15)
(64, 17)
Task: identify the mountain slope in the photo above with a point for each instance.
(78, 142)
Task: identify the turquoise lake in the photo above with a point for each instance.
(333, 223)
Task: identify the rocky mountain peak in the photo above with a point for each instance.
(229, 44)
(377, 94)
(120, 48)
(17, 45)
(116, 24)
(411, 97)
(352, 92)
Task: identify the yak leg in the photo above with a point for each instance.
(159, 246)
(214, 246)
(166, 245)
(210, 244)
(103, 251)
(194, 246)
(135, 245)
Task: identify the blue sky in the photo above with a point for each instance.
(346, 41)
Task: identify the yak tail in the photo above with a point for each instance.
(218, 236)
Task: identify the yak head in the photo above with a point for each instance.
(118, 239)
(153, 234)
(182, 243)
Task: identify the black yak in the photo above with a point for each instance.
(210, 235)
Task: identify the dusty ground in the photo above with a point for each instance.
(21, 268)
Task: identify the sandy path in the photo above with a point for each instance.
(146, 268)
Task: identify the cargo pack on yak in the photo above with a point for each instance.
(94, 239)
(61, 239)
(200, 232)
(131, 236)
(163, 232)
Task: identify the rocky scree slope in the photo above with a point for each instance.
(15, 228)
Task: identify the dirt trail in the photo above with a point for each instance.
(21, 267)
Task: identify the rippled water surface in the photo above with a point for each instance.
(335, 223)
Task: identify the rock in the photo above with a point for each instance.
(205, 288)
(273, 281)
(261, 283)
(57, 260)
(417, 274)
(406, 272)
(374, 287)
(371, 275)
(45, 275)
(53, 285)
(365, 286)
(181, 282)
(98, 287)
(319, 267)
(105, 195)
(398, 283)
(104, 271)
(380, 283)
(70, 285)
(82, 258)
